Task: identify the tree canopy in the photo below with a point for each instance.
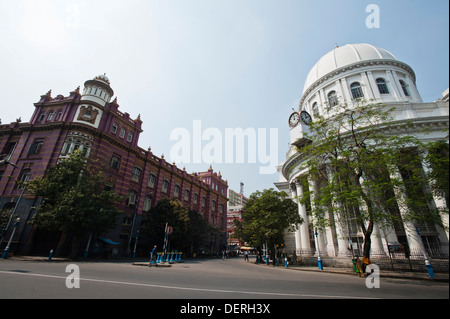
(366, 161)
(191, 230)
(75, 200)
(266, 217)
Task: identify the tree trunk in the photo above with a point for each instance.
(75, 246)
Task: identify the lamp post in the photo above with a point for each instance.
(135, 244)
(319, 259)
(6, 250)
(86, 251)
(425, 255)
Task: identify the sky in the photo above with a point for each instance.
(206, 66)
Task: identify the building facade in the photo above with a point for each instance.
(91, 121)
(345, 75)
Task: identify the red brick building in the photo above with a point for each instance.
(90, 121)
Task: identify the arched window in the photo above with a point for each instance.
(404, 88)
(332, 98)
(151, 180)
(66, 147)
(357, 91)
(114, 128)
(315, 109)
(382, 86)
(122, 133)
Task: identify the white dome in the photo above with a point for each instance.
(344, 56)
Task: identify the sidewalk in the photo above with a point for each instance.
(439, 277)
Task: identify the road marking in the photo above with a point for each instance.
(187, 288)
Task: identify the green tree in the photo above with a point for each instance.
(169, 211)
(74, 199)
(191, 231)
(266, 217)
(359, 151)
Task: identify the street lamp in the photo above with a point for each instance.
(319, 259)
(6, 250)
(425, 255)
(135, 244)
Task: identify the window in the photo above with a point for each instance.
(332, 98)
(24, 177)
(9, 150)
(114, 128)
(122, 133)
(404, 88)
(41, 117)
(127, 220)
(58, 116)
(315, 109)
(203, 201)
(186, 194)
(66, 147)
(195, 198)
(132, 198)
(147, 203)
(151, 180)
(176, 191)
(136, 174)
(356, 90)
(130, 137)
(213, 205)
(165, 186)
(115, 162)
(50, 116)
(77, 145)
(382, 86)
(35, 148)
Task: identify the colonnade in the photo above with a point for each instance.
(335, 240)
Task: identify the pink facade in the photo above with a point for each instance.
(88, 120)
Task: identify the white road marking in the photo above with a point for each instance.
(186, 288)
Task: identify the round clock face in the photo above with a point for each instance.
(293, 119)
(305, 117)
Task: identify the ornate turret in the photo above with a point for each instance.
(98, 90)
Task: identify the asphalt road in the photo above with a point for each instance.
(196, 279)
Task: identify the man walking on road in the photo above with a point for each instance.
(153, 257)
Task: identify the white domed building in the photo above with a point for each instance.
(346, 75)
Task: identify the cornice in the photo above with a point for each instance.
(353, 66)
(399, 127)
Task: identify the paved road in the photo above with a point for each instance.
(197, 279)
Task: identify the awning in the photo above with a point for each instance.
(108, 241)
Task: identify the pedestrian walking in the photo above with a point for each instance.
(224, 255)
(245, 255)
(153, 256)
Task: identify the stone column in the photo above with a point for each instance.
(294, 197)
(304, 228)
(320, 239)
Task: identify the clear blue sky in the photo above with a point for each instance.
(228, 63)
